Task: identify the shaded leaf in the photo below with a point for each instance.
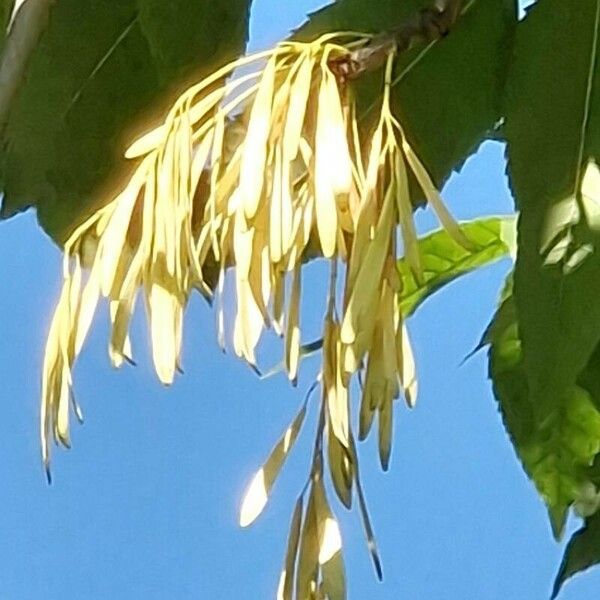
(185, 37)
(257, 495)
(444, 260)
(22, 25)
(581, 553)
(6, 10)
(553, 130)
(101, 71)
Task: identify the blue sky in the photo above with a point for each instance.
(146, 503)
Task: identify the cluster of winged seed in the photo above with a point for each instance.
(303, 181)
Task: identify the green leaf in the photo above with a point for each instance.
(6, 9)
(187, 38)
(449, 96)
(102, 72)
(444, 260)
(553, 130)
(581, 553)
(557, 444)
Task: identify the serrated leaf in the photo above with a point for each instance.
(444, 260)
(257, 495)
(467, 106)
(557, 443)
(581, 553)
(553, 131)
(100, 72)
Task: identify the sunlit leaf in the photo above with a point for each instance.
(556, 442)
(444, 260)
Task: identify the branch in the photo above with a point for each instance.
(428, 25)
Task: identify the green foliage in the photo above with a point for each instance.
(582, 552)
(556, 443)
(444, 260)
(91, 86)
(6, 8)
(553, 129)
(448, 95)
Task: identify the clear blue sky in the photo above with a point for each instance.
(146, 503)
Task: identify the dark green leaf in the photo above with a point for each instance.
(582, 552)
(187, 38)
(557, 444)
(101, 72)
(444, 260)
(449, 98)
(6, 8)
(553, 129)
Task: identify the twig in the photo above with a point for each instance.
(428, 25)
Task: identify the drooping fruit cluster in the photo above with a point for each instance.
(302, 179)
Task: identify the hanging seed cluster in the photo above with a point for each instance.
(302, 181)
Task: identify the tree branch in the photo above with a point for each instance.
(428, 25)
